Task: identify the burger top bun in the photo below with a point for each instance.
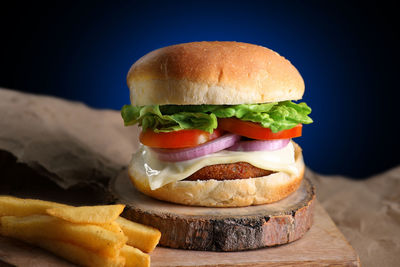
(213, 73)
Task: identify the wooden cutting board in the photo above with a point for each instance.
(322, 245)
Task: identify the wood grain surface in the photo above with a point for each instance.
(220, 229)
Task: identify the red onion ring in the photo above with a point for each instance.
(173, 155)
(259, 145)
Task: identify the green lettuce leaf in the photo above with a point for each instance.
(277, 116)
(150, 117)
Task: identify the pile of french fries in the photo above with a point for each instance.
(88, 235)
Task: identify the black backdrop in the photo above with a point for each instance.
(347, 52)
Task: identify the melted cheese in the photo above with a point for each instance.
(160, 173)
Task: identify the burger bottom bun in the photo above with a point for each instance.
(226, 193)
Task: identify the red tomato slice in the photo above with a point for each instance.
(255, 130)
(177, 139)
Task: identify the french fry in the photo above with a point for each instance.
(12, 206)
(93, 237)
(113, 227)
(77, 254)
(88, 235)
(135, 257)
(88, 214)
(139, 236)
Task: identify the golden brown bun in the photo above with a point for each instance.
(213, 73)
(226, 193)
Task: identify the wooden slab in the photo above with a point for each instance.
(323, 245)
(220, 229)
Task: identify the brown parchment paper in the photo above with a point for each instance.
(367, 212)
(67, 141)
(70, 143)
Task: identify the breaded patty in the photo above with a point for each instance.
(231, 171)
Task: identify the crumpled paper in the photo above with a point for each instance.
(367, 212)
(66, 141)
(70, 144)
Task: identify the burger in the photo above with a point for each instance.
(216, 122)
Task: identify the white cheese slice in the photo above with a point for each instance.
(160, 173)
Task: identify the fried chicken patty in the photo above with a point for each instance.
(230, 171)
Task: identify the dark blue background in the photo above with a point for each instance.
(346, 52)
